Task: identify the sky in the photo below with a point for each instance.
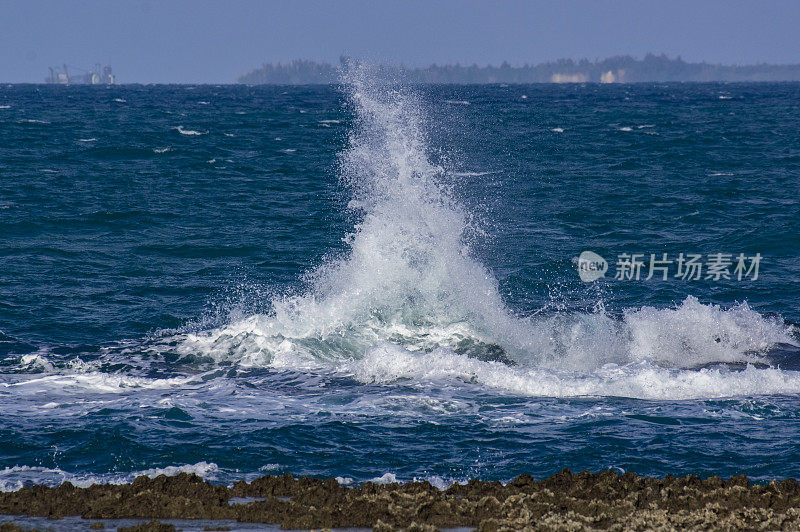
(200, 41)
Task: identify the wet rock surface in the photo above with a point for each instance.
(152, 526)
(565, 501)
(9, 527)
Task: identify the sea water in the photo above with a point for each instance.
(374, 281)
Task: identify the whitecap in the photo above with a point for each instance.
(457, 102)
(557, 130)
(36, 361)
(90, 382)
(162, 150)
(190, 131)
(474, 174)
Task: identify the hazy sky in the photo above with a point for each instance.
(190, 41)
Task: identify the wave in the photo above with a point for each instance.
(408, 300)
(190, 132)
(17, 477)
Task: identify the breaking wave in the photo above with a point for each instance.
(408, 300)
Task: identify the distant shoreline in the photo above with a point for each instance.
(413, 83)
(576, 501)
(620, 69)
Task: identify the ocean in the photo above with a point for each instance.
(392, 283)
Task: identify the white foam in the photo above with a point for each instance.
(436, 481)
(557, 130)
(36, 361)
(408, 294)
(457, 102)
(388, 363)
(190, 132)
(92, 381)
(88, 140)
(162, 150)
(206, 470)
(5, 107)
(17, 477)
(387, 478)
(474, 174)
(120, 100)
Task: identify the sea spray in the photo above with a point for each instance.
(408, 275)
(409, 300)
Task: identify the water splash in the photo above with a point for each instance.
(408, 275)
(408, 293)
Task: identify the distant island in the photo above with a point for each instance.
(620, 69)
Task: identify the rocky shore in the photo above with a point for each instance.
(565, 501)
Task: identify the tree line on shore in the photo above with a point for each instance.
(620, 69)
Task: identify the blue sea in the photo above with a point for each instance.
(382, 282)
